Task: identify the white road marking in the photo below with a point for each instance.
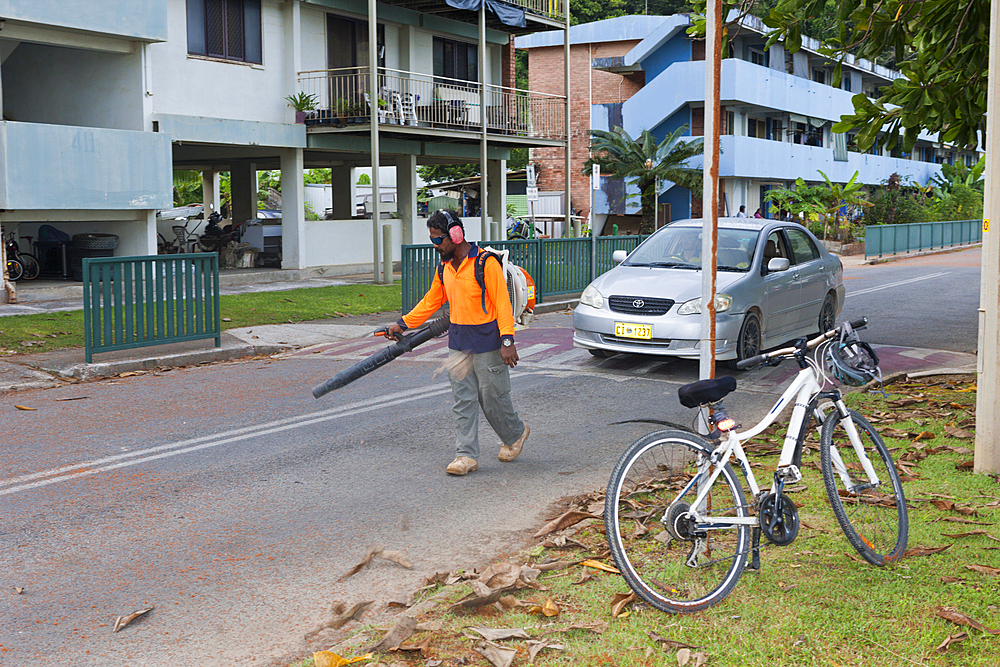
(534, 349)
(898, 283)
(66, 473)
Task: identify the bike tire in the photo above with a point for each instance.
(875, 521)
(14, 270)
(30, 265)
(643, 489)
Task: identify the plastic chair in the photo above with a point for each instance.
(383, 114)
(184, 239)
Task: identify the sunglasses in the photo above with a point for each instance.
(437, 240)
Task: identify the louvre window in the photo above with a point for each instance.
(225, 29)
(456, 60)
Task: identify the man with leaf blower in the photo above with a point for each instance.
(480, 340)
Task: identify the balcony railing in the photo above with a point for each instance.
(422, 100)
(554, 9)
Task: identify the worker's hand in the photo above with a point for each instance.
(393, 331)
(509, 355)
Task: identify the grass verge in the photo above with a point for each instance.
(44, 332)
(814, 602)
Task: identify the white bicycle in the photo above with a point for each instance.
(677, 519)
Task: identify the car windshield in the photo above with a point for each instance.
(680, 247)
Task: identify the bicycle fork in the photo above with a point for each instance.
(859, 449)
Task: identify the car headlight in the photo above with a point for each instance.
(591, 297)
(723, 302)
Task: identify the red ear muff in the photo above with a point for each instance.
(456, 233)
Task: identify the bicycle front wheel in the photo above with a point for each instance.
(871, 512)
(672, 562)
(31, 266)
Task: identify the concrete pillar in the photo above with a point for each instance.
(210, 192)
(496, 192)
(987, 456)
(342, 192)
(243, 189)
(293, 220)
(406, 197)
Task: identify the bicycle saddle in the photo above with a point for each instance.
(705, 391)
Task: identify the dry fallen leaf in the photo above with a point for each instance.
(500, 575)
(397, 634)
(620, 601)
(535, 646)
(496, 634)
(18, 589)
(958, 432)
(548, 608)
(983, 569)
(951, 639)
(971, 533)
(925, 551)
(958, 618)
(395, 556)
(331, 659)
(342, 616)
(122, 621)
(599, 566)
(21, 407)
(565, 520)
(499, 656)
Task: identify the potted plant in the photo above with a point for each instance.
(302, 103)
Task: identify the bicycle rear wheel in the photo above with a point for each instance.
(872, 516)
(14, 269)
(669, 561)
(30, 264)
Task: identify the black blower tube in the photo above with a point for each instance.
(406, 343)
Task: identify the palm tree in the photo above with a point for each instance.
(621, 156)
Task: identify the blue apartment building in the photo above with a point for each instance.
(778, 109)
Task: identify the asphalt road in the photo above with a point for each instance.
(232, 502)
(925, 302)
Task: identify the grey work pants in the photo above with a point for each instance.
(485, 382)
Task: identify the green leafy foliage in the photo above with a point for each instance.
(621, 156)
(822, 203)
(940, 46)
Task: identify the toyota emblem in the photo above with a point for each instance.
(638, 303)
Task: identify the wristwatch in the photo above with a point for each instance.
(507, 342)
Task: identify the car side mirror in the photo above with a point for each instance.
(778, 264)
(619, 256)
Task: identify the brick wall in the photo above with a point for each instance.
(546, 75)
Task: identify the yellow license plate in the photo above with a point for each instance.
(626, 330)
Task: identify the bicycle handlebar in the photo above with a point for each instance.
(859, 323)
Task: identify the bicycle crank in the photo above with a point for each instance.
(779, 520)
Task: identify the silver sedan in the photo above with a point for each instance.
(775, 282)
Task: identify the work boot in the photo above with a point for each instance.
(510, 452)
(461, 465)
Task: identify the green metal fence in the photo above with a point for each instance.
(881, 240)
(131, 302)
(557, 266)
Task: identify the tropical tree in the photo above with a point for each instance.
(940, 46)
(824, 202)
(953, 175)
(646, 161)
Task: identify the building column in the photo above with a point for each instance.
(406, 197)
(243, 190)
(987, 456)
(342, 192)
(293, 221)
(496, 181)
(210, 198)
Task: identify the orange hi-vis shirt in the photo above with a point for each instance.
(471, 330)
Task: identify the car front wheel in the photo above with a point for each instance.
(827, 314)
(748, 343)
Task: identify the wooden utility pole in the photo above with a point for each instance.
(710, 189)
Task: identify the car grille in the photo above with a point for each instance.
(639, 305)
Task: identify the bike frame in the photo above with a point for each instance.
(805, 389)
